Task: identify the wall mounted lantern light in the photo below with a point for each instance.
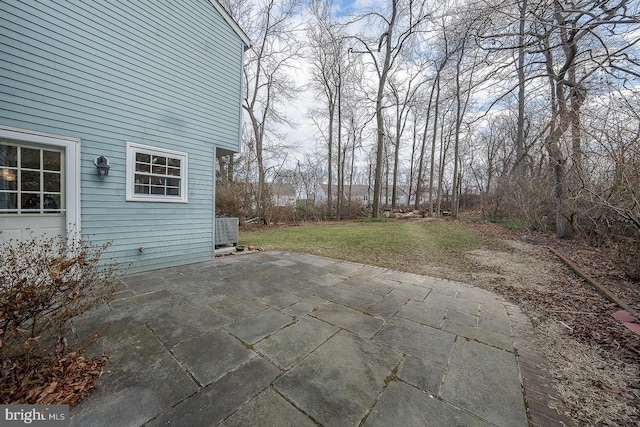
(102, 163)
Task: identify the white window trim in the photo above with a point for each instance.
(131, 196)
(72, 167)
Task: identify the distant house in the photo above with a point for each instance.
(283, 195)
(111, 119)
(361, 195)
(279, 195)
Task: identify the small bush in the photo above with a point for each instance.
(44, 284)
(231, 199)
(526, 199)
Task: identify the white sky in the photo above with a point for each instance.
(304, 134)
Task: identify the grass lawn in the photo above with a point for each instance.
(397, 244)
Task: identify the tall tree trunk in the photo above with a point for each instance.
(441, 161)
(353, 157)
(413, 154)
(379, 116)
(456, 140)
(518, 167)
(329, 207)
(340, 159)
(386, 175)
(396, 160)
(422, 150)
(436, 113)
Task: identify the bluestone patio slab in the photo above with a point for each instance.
(283, 263)
(305, 306)
(364, 275)
(338, 383)
(211, 356)
(427, 314)
(462, 305)
(346, 295)
(280, 300)
(398, 276)
(411, 291)
(425, 374)
(268, 409)
(299, 287)
(346, 268)
(242, 291)
(446, 288)
(403, 405)
(293, 343)
(485, 381)
(199, 295)
(378, 286)
(461, 317)
(141, 305)
(244, 309)
(141, 380)
(312, 260)
(223, 302)
(493, 317)
(328, 279)
(416, 339)
(214, 403)
(349, 319)
(123, 294)
(484, 336)
(186, 322)
(388, 306)
(145, 284)
(255, 327)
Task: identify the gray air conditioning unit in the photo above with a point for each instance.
(226, 231)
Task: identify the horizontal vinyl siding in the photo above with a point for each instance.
(156, 72)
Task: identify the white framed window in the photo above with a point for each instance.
(156, 174)
(31, 179)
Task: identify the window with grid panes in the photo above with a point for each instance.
(31, 180)
(155, 174)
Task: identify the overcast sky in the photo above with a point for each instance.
(304, 134)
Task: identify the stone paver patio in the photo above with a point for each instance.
(286, 339)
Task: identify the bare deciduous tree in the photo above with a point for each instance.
(267, 85)
(399, 26)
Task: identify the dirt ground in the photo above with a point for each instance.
(593, 359)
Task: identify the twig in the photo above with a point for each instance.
(570, 312)
(566, 326)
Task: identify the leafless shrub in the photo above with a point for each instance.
(308, 212)
(44, 284)
(279, 214)
(231, 200)
(526, 199)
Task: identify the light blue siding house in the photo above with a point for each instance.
(153, 87)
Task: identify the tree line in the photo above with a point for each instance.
(530, 106)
